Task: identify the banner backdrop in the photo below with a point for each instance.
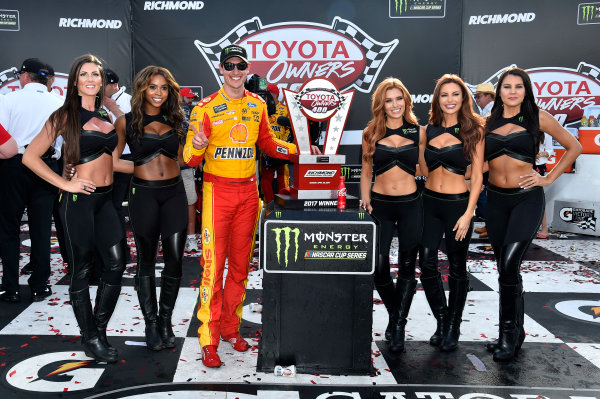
(59, 31)
(353, 43)
(549, 39)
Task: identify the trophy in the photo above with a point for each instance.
(316, 177)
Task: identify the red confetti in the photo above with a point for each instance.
(13, 373)
(313, 382)
(65, 389)
(24, 345)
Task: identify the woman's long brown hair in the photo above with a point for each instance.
(471, 124)
(375, 129)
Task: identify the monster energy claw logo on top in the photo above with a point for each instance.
(287, 232)
(589, 13)
(345, 171)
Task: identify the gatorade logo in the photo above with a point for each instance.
(285, 233)
(597, 140)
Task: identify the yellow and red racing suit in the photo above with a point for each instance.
(267, 172)
(230, 204)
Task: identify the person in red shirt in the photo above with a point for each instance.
(8, 145)
(224, 129)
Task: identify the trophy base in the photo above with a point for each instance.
(285, 201)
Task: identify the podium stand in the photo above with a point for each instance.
(317, 291)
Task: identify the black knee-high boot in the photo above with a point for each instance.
(511, 329)
(434, 292)
(509, 259)
(93, 346)
(146, 290)
(106, 301)
(457, 299)
(169, 289)
(173, 247)
(386, 293)
(405, 291)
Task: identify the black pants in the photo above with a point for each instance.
(20, 188)
(403, 214)
(513, 216)
(158, 207)
(91, 225)
(121, 184)
(441, 212)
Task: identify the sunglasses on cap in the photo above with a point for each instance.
(241, 66)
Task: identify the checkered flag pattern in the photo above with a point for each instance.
(7, 75)
(589, 70)
(212, 51)
(589, 223)
(376, 52)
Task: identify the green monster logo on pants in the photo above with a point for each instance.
(287, 232)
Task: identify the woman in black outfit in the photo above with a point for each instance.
(391, 151)
(157, 201)
(454, 138)
(86, 210)
(515, 194)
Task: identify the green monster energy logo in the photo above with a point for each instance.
(165, 118)
(361, 215)
(287, 232)
(74, 197)
(456, 130)
(587, 13)
(405, 131)
(399, 5)
(278, 214)
(345, 171)
(521, 118)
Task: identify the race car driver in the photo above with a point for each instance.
(224, 129)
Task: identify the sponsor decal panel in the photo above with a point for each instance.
(310, 247)
(9, 20)
(320, 173)
(588, 13)
(289, 54)
(417, 8)
(582, 217)
(351, 173)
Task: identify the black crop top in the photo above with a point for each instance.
(450, 157)
(518, 145)
(405, 157)
(151, 145)
(92, 144)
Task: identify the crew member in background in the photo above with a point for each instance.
(187, 96)
(23, 114)
(225, 127)
(270, 166)
(484, 98)
(116, 101)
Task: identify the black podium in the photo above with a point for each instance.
(317, 291)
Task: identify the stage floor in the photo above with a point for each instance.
(41, 355)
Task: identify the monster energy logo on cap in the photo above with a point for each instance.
(286, 232)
